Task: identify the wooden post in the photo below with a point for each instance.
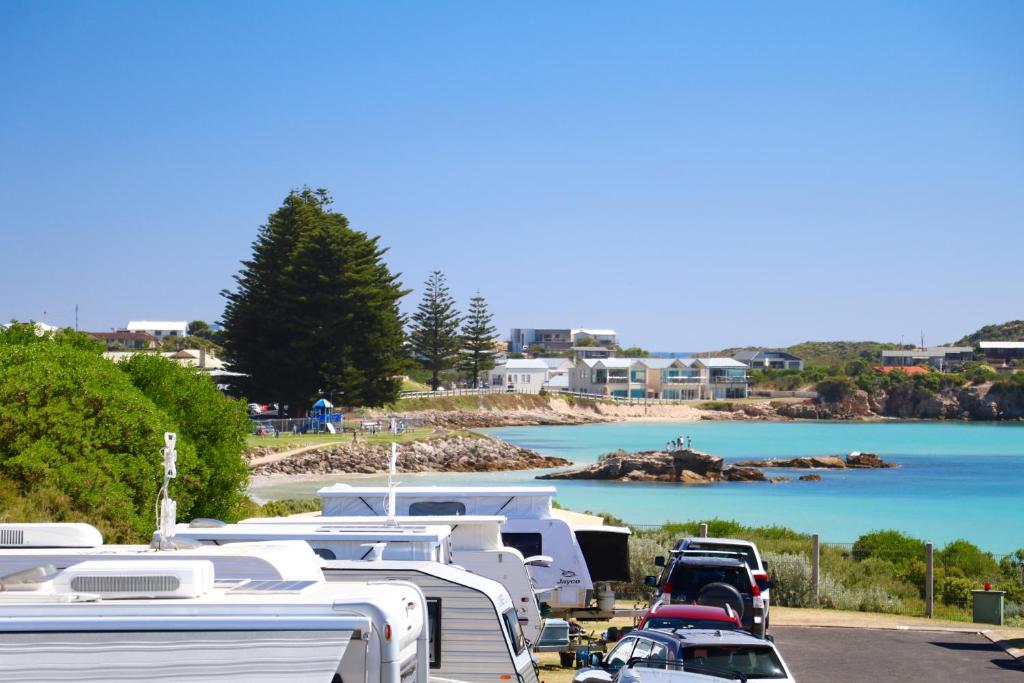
(929, 580)
(815, 566)
(703, 530)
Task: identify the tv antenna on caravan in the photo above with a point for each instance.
(168, 508)
(392, 471)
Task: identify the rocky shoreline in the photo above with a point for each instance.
(439, 454)
(687, 466)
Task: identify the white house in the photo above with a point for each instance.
(161, 329)
(660, 378)
(522, 375)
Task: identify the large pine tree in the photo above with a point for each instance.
(435, 329)
(477, 340)
(315, 312)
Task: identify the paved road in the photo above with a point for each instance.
(854, 655)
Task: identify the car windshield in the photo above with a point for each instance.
(753, 661)
(689, 579)
(682, 623)
(743, 552)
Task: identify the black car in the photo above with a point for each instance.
(712, 581)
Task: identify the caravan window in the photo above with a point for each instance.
(439, 507)
(434, 625)
(515, 633)
(528, 544)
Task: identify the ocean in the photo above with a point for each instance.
(955, 480)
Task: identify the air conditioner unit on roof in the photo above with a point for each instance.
(65, 535)
(113, 579)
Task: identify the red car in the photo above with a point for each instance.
(690, 616)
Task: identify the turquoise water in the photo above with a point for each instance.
(956, 480)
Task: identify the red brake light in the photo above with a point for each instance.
(755, 590)
(667, 588)
(387, 631)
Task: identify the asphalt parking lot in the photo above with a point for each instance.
(849, 655)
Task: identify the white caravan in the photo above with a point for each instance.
(472, 542)
(583, 554)
(475, 634)
(106, 620)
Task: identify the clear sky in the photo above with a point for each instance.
(693, 174)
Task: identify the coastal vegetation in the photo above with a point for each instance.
(1012, 330)
(882, 571)
(80, 437)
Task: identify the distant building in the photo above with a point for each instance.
(1002, 352)
(557, 340)
(591, 352)
(776, 360)
(522, 375)
(660, 378)
(129, 341)
(160, 329)
(942, 358)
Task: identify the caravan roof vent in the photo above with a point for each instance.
(125, 579)
(49, 536)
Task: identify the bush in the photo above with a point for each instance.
(791, 575)
(722, 406)
(834, 595)
(835, 389)
(962, 558)
(955, 591)
(889, 545)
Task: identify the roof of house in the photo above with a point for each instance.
(905, 369)
(930, 352)
(134, 325)
(754, 354)
(123, 335)
(720, 363)
(595, 331)
(1001, 344)
(658, 363)
(555, 363)
(525, 364)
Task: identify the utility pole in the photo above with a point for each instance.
(76, 317)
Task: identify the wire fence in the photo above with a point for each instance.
(910, 579)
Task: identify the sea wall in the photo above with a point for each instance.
(440, 454)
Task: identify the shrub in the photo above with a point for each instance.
(791, 575)
(833, 594)
(835, 389)
(962, 558)
(889, 545)
(722, 406)
(955, 590)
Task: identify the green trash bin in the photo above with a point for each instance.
(988, 607)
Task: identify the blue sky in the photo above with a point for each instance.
(692, 174)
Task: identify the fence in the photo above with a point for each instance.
(909, 580)
(347, 422)
(457, 392)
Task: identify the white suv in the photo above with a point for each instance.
(731, 547)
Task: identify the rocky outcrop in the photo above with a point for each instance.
(829, 462)
(475, 419)
(440, 454)
(685, 466)
(737, 473)
(809, 477)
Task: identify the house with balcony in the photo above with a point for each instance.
(159, 329)
(943, 358)
(723, 377)
(126, 341)
(525, 375)
(679, 379)
(1002, 353)
(776, 360)
(558, 339)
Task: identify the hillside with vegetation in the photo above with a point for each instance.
(1012, 330)
(825, 353)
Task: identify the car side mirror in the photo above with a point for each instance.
(771, 584)
(659, 561)
(651, 581)
(597, 659)
(764, 565)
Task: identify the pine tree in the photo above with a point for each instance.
(435, 329)
(477, 340)
(315, 312)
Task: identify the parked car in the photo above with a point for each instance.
(716, 581)
(745, 550)
(654, 655)
(664, 615)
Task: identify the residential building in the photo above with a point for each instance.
(776, 360)
(1002, 352)
(943, 358)
(557, 340)
(660, 378)
(161, 329)
(522, 375)
(592, 352)
(128, 341)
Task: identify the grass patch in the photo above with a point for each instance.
(299, 440)
(472, 403)
(724, 406)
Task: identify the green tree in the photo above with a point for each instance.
(198, 328)
(435, 325)
(634, 352)
(212, 423)
(315, 310)
(478, 336)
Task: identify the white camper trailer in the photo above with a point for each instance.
(473, 543)
(474, 623)
(582, 554)
(105, 620)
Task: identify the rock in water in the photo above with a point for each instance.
(735, 473)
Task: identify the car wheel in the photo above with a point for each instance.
(720, 595)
